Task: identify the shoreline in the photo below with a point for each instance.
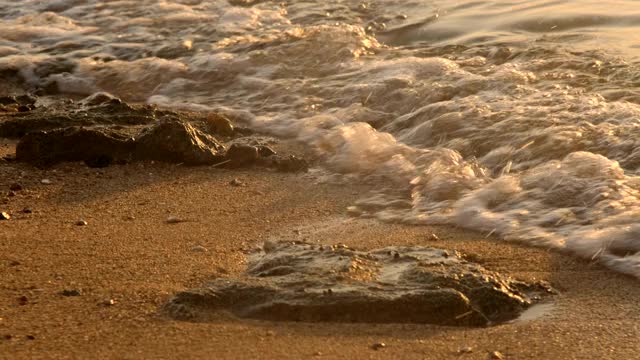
(128, 254)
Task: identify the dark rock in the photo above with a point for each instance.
(290, 281)
(94, 146)
(378, 346)
(239, 155)
(23, 300)
(219, 124)
(27, 211)
(70, 292)
(265, 151)
(9, 158)
(81, 223)
(169, 141)
(15, 187)
(291, 163)
(178, 142)
(20, 100)
(8, 100)
(98, 109)
(30, 337)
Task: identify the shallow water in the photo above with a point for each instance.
(516, 118)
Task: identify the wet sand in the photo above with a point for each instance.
(129, 254)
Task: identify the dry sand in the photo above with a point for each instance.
(127, 253)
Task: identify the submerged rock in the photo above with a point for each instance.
(303, 282)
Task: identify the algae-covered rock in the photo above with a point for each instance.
(304, 282)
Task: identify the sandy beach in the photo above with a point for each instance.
(127, 261)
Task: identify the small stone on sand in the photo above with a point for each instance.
(5, 216)
(199, 248)
(236, 182)
(174, 220)
(70, 292)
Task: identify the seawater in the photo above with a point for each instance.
(515, 118)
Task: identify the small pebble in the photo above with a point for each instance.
(27, 211)
(433, 237)
(30, 337)
(378, 346)
(46, 181)
(465, 350)
(5, 216)
(70, 293)
(236, 182)
(81, 223)
(496, 355)
(15, 187)
(199, 249)
(23, 300)
(174, 220)
(109, 302)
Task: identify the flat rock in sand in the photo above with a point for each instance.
(303, 282)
